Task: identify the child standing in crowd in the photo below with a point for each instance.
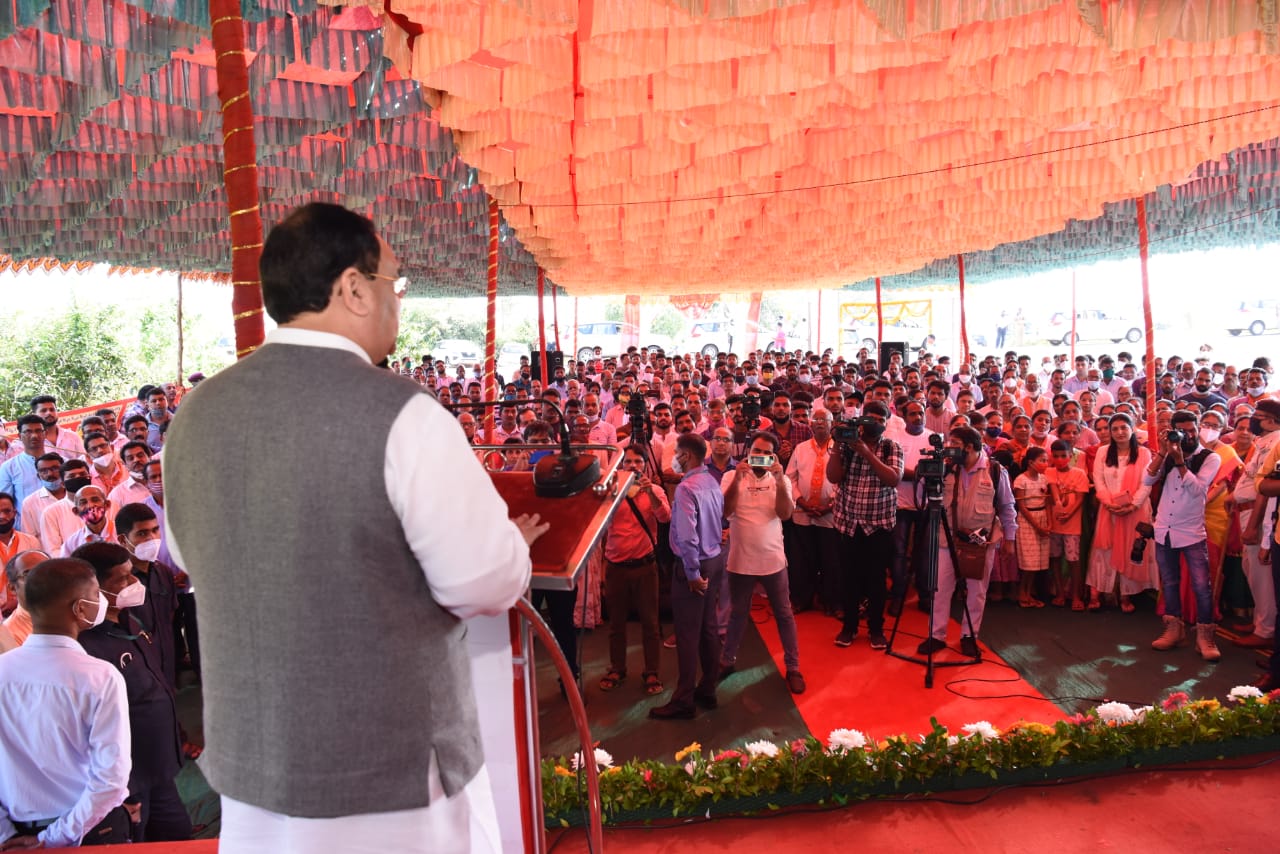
(1068, 486)
(1031, 492)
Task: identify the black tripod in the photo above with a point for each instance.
(935, 519)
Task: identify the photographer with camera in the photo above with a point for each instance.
(867, 468)
(977, 493)
(1184, 471)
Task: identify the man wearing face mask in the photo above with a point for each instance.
(1093, 385)
(67, 758)
(868, 467)
(910, 513)
(12, 543)
(964, 381)
(1186, 472)
(132, 489)
(126, 643)
(94, 510)
(158, 416)
(138, 531)
(52, 490)
(1254, 390)
(414, 778)
(59, 519)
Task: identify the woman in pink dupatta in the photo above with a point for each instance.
(1122, 504)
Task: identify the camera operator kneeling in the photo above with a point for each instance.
(1186, 471)
(976, 492)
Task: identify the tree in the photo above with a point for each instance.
(75, 356)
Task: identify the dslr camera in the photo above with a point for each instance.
(1176, 437)
(1145, 532)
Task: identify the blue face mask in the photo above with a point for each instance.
(993, 432)
(915, 429)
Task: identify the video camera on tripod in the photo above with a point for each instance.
(932, 470)
(751, 412)
(640, 420)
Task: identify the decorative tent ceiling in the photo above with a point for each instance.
(110, 139)
(652, 146)
(709, 145)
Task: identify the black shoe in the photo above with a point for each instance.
(673, 712)
(969, 647)
(879, 641)
(929, 645)
(846, 636)
(726, 670)
(705, 701)
(795, 682)
(895, 607)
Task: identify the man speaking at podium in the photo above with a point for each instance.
(338, 706)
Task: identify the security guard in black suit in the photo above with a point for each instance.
(139, 532)
(127, 644)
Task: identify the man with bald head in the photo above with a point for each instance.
(94, 510)
(18, 623)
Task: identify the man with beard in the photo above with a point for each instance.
(62, 440)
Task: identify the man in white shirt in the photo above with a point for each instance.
(49, 471)
(914, 439)
(133, 489)
(98, 517)
(818, 542)
(1185, 471)
(66, 442)
(65, 744)
(756, 500)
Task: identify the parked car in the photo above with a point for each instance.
(609, 335)
(708, 337)
(509, 358)
(456, 351)
(863, 334)
(1093, 325)
(1256, 315)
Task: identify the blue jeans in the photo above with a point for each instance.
(1197, 557)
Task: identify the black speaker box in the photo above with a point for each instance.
(555, 359)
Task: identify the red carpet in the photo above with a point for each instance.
(1152, 811)
(863, 689)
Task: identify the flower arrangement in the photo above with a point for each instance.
(764, 775)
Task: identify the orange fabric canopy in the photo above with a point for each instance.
(694, 146)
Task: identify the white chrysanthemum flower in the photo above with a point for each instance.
(603, 759)
(1140, 713)
(1240, 693)
(953, 740)
(982, 729)
(761, 748)
(844, 740)
(1116, 713)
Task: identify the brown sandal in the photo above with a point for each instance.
(611, 680)
(652, 684)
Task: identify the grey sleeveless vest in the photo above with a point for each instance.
(330, 674)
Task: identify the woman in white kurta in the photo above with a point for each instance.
(1122, 504)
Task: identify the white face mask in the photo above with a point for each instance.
(132, 596)
(102, 610)
(1093, 385)
(1010, 384)
(137, 475)
(1209, 435)
(147, 551)
(676, 468)
(103, 461)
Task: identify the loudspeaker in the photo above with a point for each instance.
(888, 348)
(555, 359)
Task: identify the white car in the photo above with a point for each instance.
(457, 351)
(1256, 316)
(1093, 325)
(864, 334)
(708, 337)
(608, 336)
(509, 358)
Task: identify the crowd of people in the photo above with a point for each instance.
(789, 475)
(1077, 495)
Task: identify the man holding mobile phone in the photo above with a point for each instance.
(757, 498)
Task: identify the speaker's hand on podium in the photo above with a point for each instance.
(531, 526)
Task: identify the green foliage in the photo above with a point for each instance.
(76, 356)
(614, 311)
(806, 770)
(425, 323)
(669, 322)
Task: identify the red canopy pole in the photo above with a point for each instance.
(491, 322)
(555, 318)
(1073, 315)
(964, 328)
(817, 338)
(1147, 326)
(879, 321)
(239, 173)
(542, 329)
(575, 329)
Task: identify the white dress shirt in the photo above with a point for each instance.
(33, 509)
(83, 535)
(1180, 515)
(128, 491)
(58, 522)
(64, 746)
(483, 573)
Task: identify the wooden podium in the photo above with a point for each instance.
(502, 647)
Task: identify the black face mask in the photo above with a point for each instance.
(1255, 425)
(75, 484)
(6, 527)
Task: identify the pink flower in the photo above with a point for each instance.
(1080, 719)
(1176, 700)
(799, 748)
(728, 754)
(648, 776)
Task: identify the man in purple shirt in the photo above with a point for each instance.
(697, 511)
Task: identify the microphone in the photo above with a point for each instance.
(556, 475)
